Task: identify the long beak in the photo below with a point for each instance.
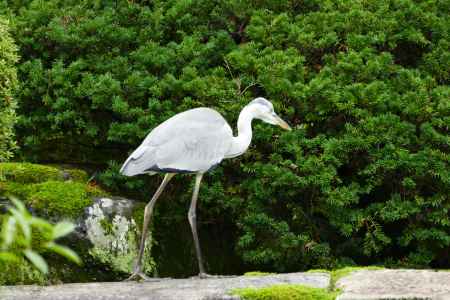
(282, 123)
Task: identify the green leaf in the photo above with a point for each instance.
(19, 205)
(36, 260)
(8, 256)
(8, 232)
(41, 223)
(62, 228)
(23, 223)
(64, 251)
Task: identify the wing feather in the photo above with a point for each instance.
(192, 141)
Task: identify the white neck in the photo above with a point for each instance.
(241, 142)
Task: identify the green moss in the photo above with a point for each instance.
(138, 214)
(107, 226)
(47, 192)
(59, 199)
(28, 173)
(44, 189)
(285, 292)
(36, 173)
(96, 191)
(339, 273)
(54, 198)
(20, 272)
(115, 243)
(293, 292)
(15, 189)
(77, 175)
(257, 273)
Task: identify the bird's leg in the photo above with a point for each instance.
(193, 221)
(137, 273)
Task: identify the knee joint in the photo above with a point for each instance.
(192, 215)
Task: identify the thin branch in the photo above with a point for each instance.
(249, 86)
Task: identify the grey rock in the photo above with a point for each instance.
(109, 226)
(395, 284)
(112, 206)
(165, 288)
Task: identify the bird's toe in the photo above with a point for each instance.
(140, 276)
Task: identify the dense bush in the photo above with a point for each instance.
(363, 178)
(8, 81)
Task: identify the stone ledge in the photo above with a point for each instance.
(167, 289)
(395, 284)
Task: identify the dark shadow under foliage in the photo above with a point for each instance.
(364, 176)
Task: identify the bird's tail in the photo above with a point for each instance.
(140, 161)
(126, 168)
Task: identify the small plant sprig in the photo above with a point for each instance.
(24, 235)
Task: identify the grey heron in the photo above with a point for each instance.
(193, 141)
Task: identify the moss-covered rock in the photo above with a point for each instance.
(54, 193)
(36, 173)
(58, 199)
(51, 192)
(107, 234)
(293, 292)
(26, 173)
(285, 292)
(345, 271)
(113, 232)
(18, 190)
(76, 175)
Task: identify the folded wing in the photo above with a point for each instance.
(192, 141)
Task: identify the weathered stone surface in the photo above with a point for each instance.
(110, 227)
(167, 289)
(395, 284)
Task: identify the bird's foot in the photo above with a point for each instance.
(209, 276)
(140, 276)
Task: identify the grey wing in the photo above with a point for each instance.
(194, 150)
(191, 141)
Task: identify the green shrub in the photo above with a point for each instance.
(8, 82)
(363, 178)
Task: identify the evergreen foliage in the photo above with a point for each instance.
(363, 178)
(8, 81)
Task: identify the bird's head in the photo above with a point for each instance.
(263, 110)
